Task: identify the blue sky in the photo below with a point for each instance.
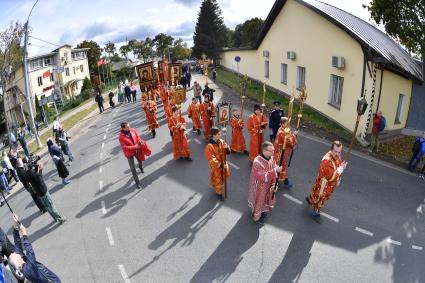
(71, 21)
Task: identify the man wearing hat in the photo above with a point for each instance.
(274, 122)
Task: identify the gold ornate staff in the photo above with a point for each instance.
(301, 99)
(361, 109)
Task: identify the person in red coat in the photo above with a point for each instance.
(328, 178)
(133, 147)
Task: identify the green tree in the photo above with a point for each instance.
(110, 48)
(246, 33)
(210, 32)
(10, 57)
(116, 58)
(93, 55)
(162, 43)
(124, 49)
(180, 50)
(404, 20)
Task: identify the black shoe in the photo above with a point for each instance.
(307, 200)
(188, 159)
(138, 186)
(198, 131)
(246, 152)
(43, 211)
(141, 170)
(261, 221)
(62, 220)
(316, 218)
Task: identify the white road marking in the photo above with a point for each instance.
(104, 137)
(100, 170)
(110, 238)
(233, 165)
(103, 145)
(197, 141)
(124, 273)
(102, 203)
(391, 241)
(329, 217)
(292, 198)
(107, 129)
(364, 231)
(109, 124)
(418, 248)
(100, 185)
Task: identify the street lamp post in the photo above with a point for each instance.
(27, 83)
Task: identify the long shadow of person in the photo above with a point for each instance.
(227, 256)
(185, 229)
(295, 260)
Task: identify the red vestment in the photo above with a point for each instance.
(214, 153)
(194, 112)
(261, 185)
(151, 115)
(144, 103)
(326, 181)
(179, 140)
(290, 143)
(207, 117)
(255, 126)
(238, 140)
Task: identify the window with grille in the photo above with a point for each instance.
(335, 91)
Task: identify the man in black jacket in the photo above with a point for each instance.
(23, 176)
(99, 100)
(40, 188)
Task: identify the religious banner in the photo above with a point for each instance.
(146, 75)
(175, 72)
(223, 117)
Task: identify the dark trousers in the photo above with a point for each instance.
(133, 168)
(134, 97)
(38, 202)
(128, 96)
(199, 98)
(414, 161)
(101, 108)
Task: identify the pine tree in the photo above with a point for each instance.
(210, 33)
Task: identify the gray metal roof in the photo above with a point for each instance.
(371, 36)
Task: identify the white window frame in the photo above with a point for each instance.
(284, 73)
(336, 87)
(400, 108)
(40, 80)
(47, 61)
(36, 64)
(300, 77)
(266, 69)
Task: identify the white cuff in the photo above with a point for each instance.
(340, 169)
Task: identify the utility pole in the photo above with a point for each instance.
(27, 83)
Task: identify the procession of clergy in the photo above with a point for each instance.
(269, 159)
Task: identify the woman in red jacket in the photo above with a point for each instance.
(133, 147)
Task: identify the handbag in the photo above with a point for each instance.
(145, 148)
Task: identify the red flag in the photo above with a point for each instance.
(46, 74)
(101, 62)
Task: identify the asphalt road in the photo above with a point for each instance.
(175, 230)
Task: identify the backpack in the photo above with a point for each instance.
(382, 124)
(417, 147)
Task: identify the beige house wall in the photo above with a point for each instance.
(315, 40)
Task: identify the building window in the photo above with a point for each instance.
(266, 69)
(36, 64)
(67, 71)
(300, 77)
(51, 76)
(81, 68)
(73, 70)
(47, 61)
(284, 73)
(335, 91)
(400, 108)
(40, 81)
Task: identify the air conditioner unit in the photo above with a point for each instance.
(266, 53)
(338, 62)
(291, 55)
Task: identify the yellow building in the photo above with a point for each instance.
(337, 56)
(61, 71)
